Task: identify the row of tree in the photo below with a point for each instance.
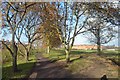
(57, 23)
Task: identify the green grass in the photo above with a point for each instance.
(24, 66)
(78, 65)
(59, 55)
(110, 53)
(113, 55)
(55, 55)
(6, 56)
(84, 51)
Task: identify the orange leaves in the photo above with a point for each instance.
(49, 11)
(50, 33)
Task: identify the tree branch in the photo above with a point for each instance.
(7, 48)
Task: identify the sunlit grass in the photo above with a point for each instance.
(55, 55)
(23, 66)
(112, 54)
(79, 65)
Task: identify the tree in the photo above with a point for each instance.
(12, 15)
(105, 18)
(29, 27)
(110, 11)
(50, 35)
(70, 23)
(100, 31)
(48, 29)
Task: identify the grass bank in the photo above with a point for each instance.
(23, 66)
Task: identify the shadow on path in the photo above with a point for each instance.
(44, 68)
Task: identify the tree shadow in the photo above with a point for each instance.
(59, 51)
(114, 57)
(110, 54)
(7, 72)
(31, 59)
(61, 54)
(75, 59)
(82, 51)
(46, 69)
(56, 59)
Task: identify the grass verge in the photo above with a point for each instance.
(24, 66)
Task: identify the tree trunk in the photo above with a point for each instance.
(67, 55)
(15, 49)
(15, 69)
(98, 42)
(98, 48)
(48, 49)
(27, 55)
(13, 52)
(28, 51)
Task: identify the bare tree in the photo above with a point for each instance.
(109, 10)
(100, 32)
(29, 28)
(12, 15)
(70, 23)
